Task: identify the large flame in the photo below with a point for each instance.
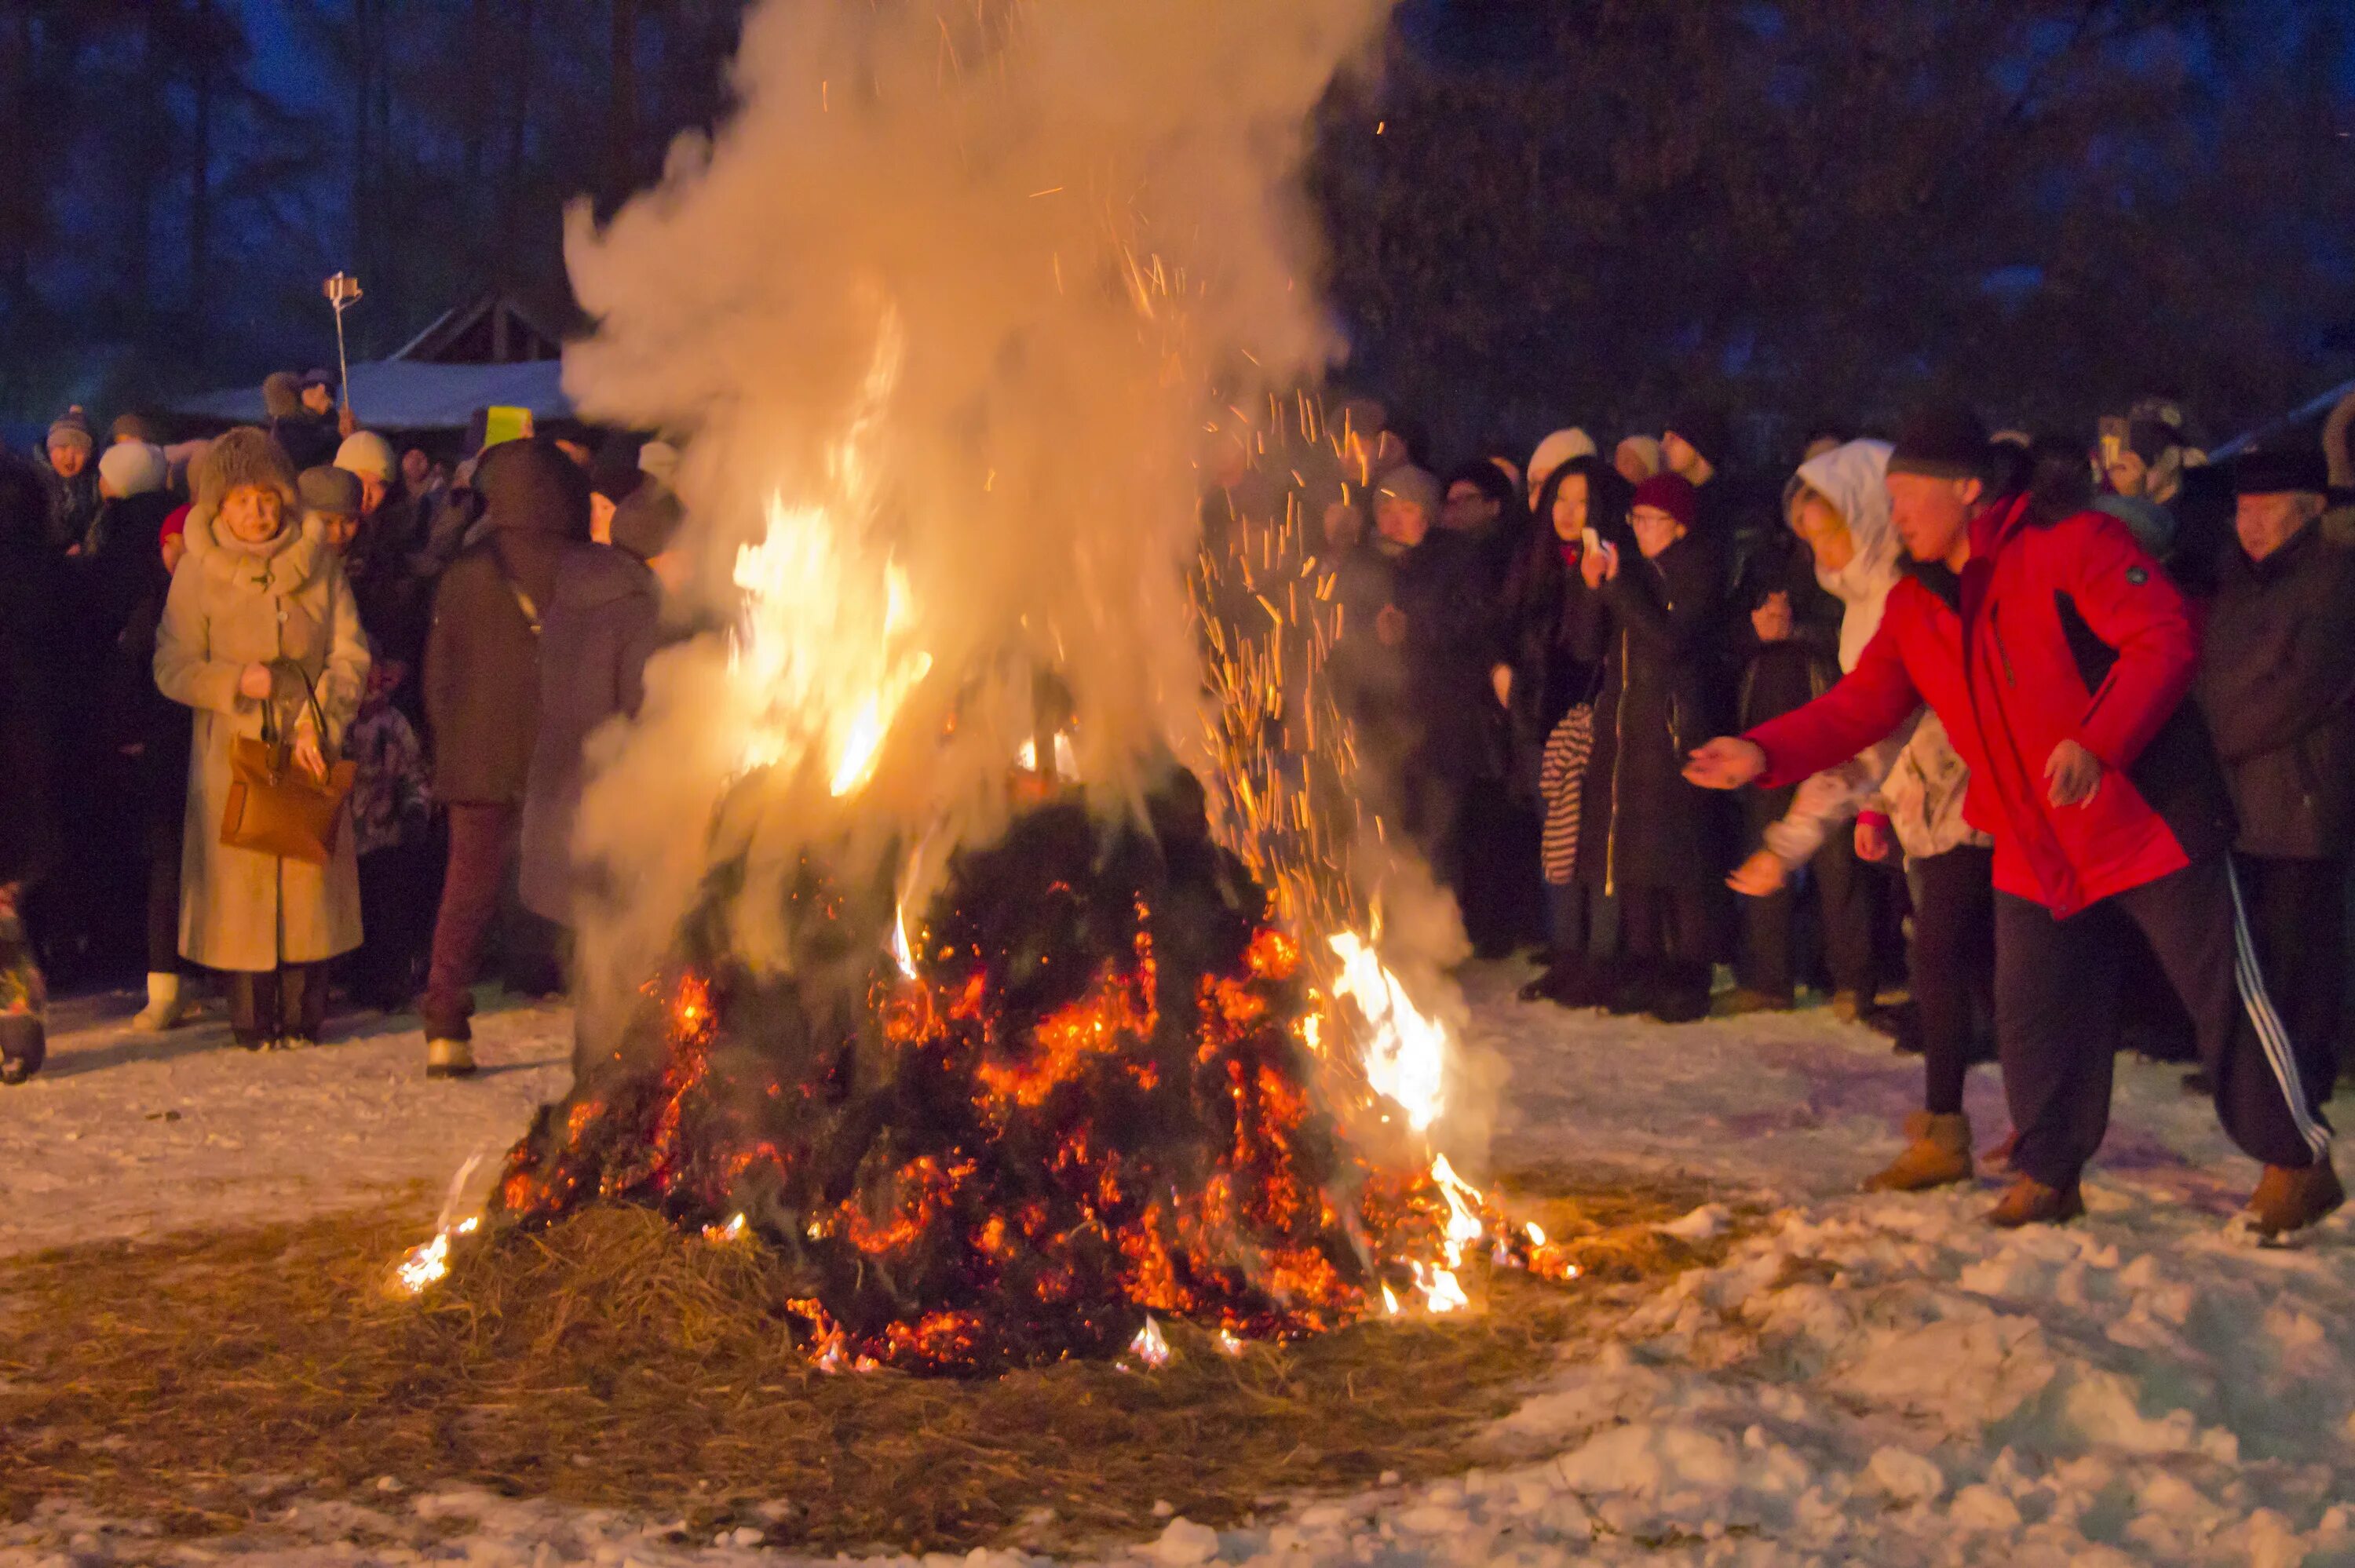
(825, 655)
(1406, 1048)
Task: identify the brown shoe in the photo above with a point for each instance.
(1938, 1156)
(1847, 1006)
(1741, 1001)
(2291, 1197)
(2027, 1202)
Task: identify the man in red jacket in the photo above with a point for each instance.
(2058, 654)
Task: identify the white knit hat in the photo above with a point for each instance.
(133, 468)
(367, 454)
(1560, 448)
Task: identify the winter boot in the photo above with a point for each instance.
(1938, 1155)
(24, 1047)
(1561, 975)
(2291, 1197)
(164, 1008)
(1682, 995)
(449, 1059)
(1633, 988)
(2027, 1202)
(1741, 1001)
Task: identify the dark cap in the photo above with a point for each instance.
(333, 491)
(2289, 470)
(1941, 440)
(648, 521)
(1706, 429)
(319, 378)
(1408, 482)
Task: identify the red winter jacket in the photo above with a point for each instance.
(2059, 631)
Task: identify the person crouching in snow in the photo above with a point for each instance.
(1910, 784)
(2059, 667)
(260, 617)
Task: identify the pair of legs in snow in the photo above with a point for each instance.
(2056, 1008)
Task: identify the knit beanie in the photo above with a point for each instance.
(72, 430)
(1706, 429)
(133, 468)
(1941, 440)
(1646, 451)
(1408, 482)
(240, 457)
(1672, 493)
(330, 491)
(2292, 470)
(1561, 447)
(647, 520)
(367, 454)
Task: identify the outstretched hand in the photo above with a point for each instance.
(1726, 763)
(2075, 774)
(1760, 876)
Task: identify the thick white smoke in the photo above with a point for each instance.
(949, 292)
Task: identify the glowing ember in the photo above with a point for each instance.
(427, 1264)
(1149, 1346)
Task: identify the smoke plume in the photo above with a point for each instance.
(937, 314)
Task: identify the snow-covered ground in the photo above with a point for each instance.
(1876, 1379)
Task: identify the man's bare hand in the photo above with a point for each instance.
(1760, 876)
(1726, 763)
(2075, 774)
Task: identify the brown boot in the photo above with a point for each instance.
(1938, 1156)
(2292, 1197)
(2027, 1202)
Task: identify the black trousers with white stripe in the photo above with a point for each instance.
(2056, 1021)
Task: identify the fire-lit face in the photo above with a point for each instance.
(1933, 516)
(1654, 530)
(253, 513)
(318, 398)
(416, 468)
(1816, 520)
(1569, 506)
(600, 519)
(372, 493)
(68, 458)
(338, 529)
(1401, 522)
(2265, 523)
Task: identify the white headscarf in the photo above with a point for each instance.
(1855, 479)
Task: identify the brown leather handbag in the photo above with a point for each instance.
(276, 809)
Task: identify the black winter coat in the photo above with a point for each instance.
(1643, 825)
(143, 734)
(602, 626)
(482, 655)
(1431, 697)
(2278, 686)
(1554, 631)
(29, 843)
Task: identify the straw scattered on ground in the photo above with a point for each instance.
(202, 1382)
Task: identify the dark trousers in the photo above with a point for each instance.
(482, 847)
(2297, 912)
(1671, 926)
(289, 1000)
(2056, 1021)
(398, 884)
(164, 913)
(1846, 896)
(1953, 965)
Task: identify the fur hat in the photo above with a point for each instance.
(72, 430)
(281, 394)
(1672, 493)
(133, 468)
(240, 457)
(1941, 440)
(1556, 450)
(647, 521)
(330, 491)
(367, 454)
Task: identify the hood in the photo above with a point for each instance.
(591, 575)
(1854, 478)
(530, 487)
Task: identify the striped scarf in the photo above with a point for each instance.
(1562, 784)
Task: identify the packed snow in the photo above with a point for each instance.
(1877, 1379)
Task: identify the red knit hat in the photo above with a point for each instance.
(177, 523)
(1672, 493)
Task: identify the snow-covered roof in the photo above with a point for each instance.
(405, 395)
